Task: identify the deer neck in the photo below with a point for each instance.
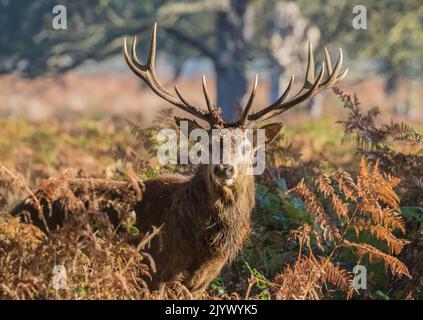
(222, 214)
(223, 202)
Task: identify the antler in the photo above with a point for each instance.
(247, 108)
(148, 74)
(310, 88)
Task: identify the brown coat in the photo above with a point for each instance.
(203, 225)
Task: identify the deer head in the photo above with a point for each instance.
(228, 171)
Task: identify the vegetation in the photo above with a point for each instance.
(313, 221)
(342, 191)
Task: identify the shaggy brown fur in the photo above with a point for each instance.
(203, 225)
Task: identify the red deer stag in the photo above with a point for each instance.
(205, 219)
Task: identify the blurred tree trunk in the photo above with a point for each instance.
(391, 84)
(289, 34)
(231, 55)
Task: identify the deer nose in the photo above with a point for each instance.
(224, 170)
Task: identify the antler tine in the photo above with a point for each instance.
(343, 75)
(149, 67)
(310, 64)
(309, 93)
(309, 79)
(183, 98)
(334, 74)
(244, 115)
(132, 63)
(328, 61)
(134, 52)
(148, 74)
(310, 87)
(210, 105)
(270, 108)
(152, 52)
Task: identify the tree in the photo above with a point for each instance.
(232, 47)
(228, 32)
(95, 32)
(289, 33)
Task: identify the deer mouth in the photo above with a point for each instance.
(227, 182)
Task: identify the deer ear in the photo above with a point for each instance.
(192, 124)
(272, 131)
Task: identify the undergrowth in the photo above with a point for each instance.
(314, 221)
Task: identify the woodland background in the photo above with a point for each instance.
(343, 185)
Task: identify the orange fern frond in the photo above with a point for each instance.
(330, 231)
(295, 282)
(391, 219)
(397, 267)
(337, 276)
(324, 185)
(345, 184)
